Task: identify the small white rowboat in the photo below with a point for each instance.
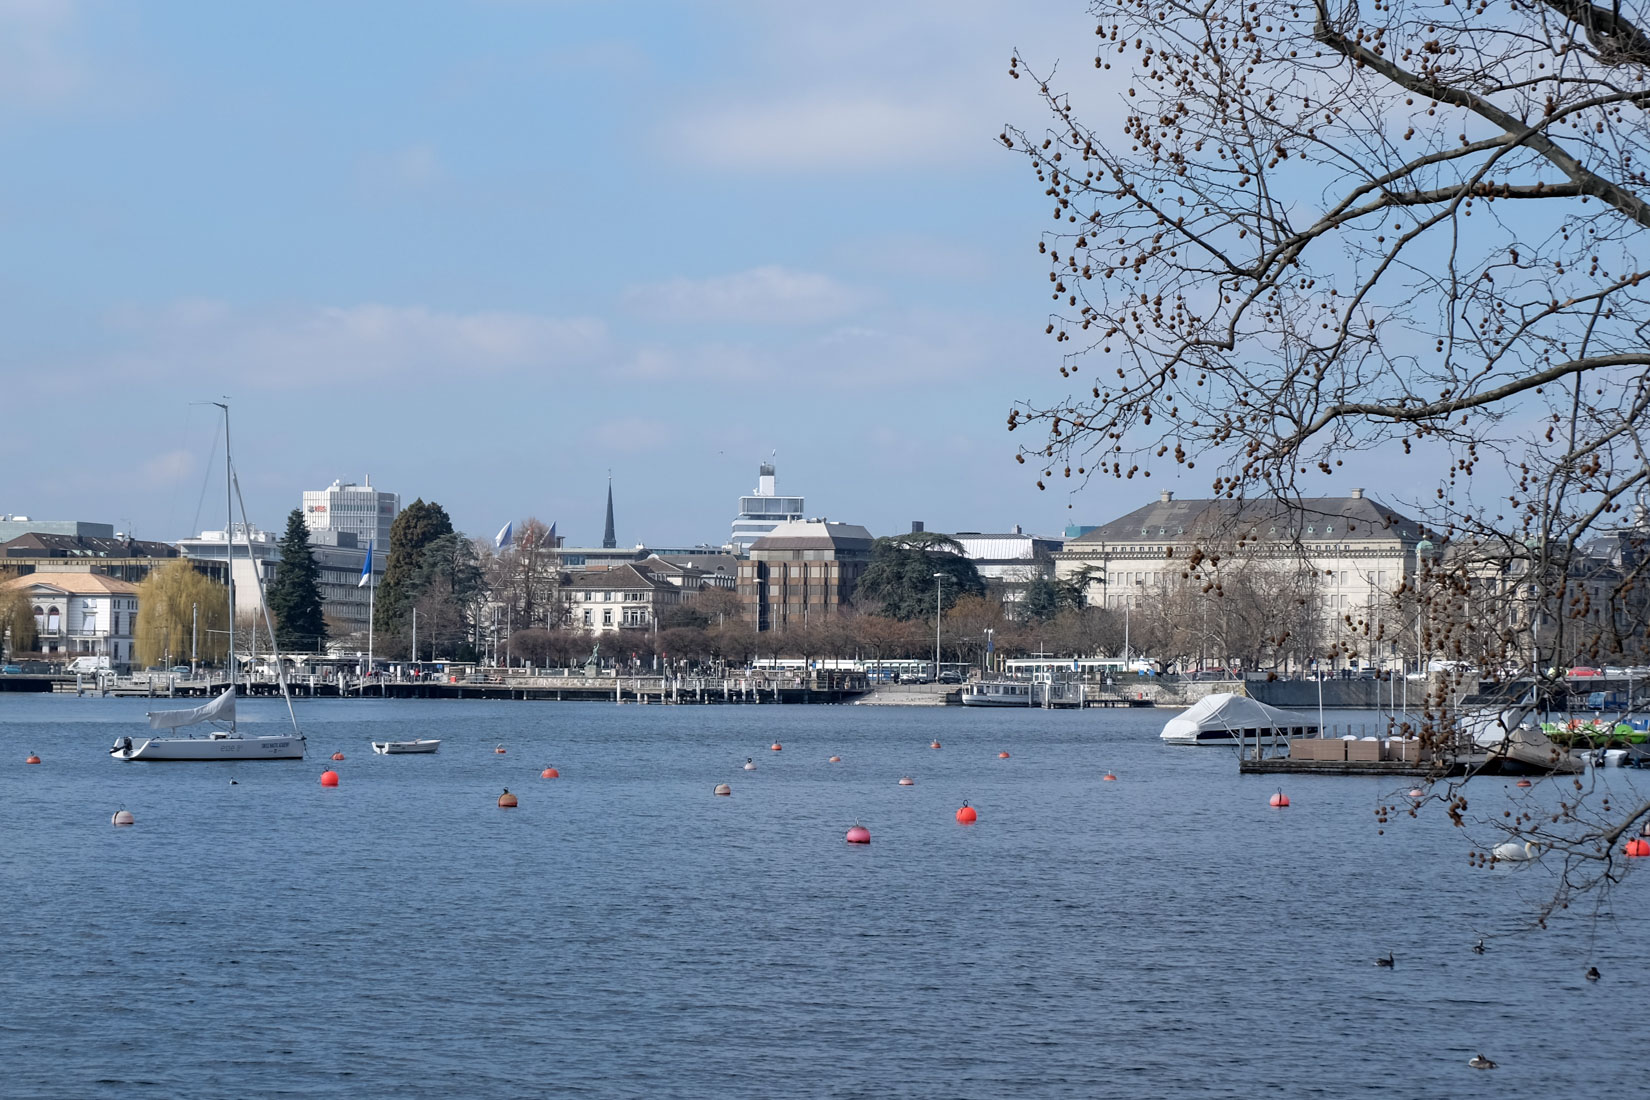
(396, 748)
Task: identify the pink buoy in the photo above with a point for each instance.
(1279, 800)
(907, 781)
(859, 834)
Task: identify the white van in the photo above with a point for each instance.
(90, 664)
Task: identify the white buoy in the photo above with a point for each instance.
(122, 817)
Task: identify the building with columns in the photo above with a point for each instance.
(80, 614)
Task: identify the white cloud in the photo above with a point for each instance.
(35, 66)
(342, 345)
(762, 295)
(169, 466)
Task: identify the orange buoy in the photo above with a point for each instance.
(329, 778)
(122, 817)
(859, 834)
(1522, 783)
(776, 746)
(934, 744)
(549, 773)
(499, 750)
(1002, 756)
(1279, 800)
(907, 781)
(507, 801)
(966, 815)
(834, 760)
(34, 758)
(1638, 847)
(1108, 778)
(722, 789)
(337, 756)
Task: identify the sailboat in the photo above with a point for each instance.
(224, 741)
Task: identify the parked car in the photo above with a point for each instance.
(11, 670)
(181, 670)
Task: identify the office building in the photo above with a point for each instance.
(762, 511)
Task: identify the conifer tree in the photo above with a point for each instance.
(414, 530)
(295, 595)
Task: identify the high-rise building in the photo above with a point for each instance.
(762, 511)
(359, 510)
(802, 573)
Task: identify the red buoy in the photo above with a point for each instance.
(1638, 847)
(1522, 783)
(329, 778)
(859, 834)
(33, 759)
(337, 756)
(834, 760)
(549, 773)
(499, 750)
(907, 781)
(776, 746)
(1108, 778)
(1002, 756)
(1279, 800)
(966, 815)
(934, 744)
(507, 801)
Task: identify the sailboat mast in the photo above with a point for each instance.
(229, 541)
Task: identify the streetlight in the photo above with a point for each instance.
(939, 585)
(985, 658)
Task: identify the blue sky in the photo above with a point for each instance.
(490, 251)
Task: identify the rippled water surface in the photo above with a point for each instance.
(625, 933)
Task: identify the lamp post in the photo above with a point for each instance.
(1422, 547)
(985, 657)
(939, 585)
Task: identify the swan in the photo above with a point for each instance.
(1513, 852)
(1480, 1062)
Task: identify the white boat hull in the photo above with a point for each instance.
(1224, 737)
(158, 749)
(401, 748)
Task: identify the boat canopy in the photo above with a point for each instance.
(221, 709)
(1225, 711)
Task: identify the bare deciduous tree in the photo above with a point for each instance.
(1319, 228)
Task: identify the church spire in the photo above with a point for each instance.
(609, 539)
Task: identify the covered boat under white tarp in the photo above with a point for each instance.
(221, 709)
(1227, 719)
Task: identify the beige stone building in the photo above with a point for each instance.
(1358, 550)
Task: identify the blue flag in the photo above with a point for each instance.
(502, 539)
(366, 570)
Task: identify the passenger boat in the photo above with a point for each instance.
(997, 693)
(398, 748)
(1227, 719)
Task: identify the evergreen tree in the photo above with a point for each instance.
(900, 582)
(411, 535)
(295, 595)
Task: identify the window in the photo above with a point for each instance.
(53, 618)
(587, 615)
(88, 622)
(607, 616)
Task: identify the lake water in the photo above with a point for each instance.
(625, 933)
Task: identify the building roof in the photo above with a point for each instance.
(37, 545)
(619, 576)
(1012, 546)
(71, 584)
(814, 534)
(1348, 518)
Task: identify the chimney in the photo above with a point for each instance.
(916, 527)
(1165, 495)
(1017, 530)
(1357, 494)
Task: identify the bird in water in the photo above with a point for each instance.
(1389, 961)
(234, 782)
(1478, 948)
(1480, 1062)
(1592, 974)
